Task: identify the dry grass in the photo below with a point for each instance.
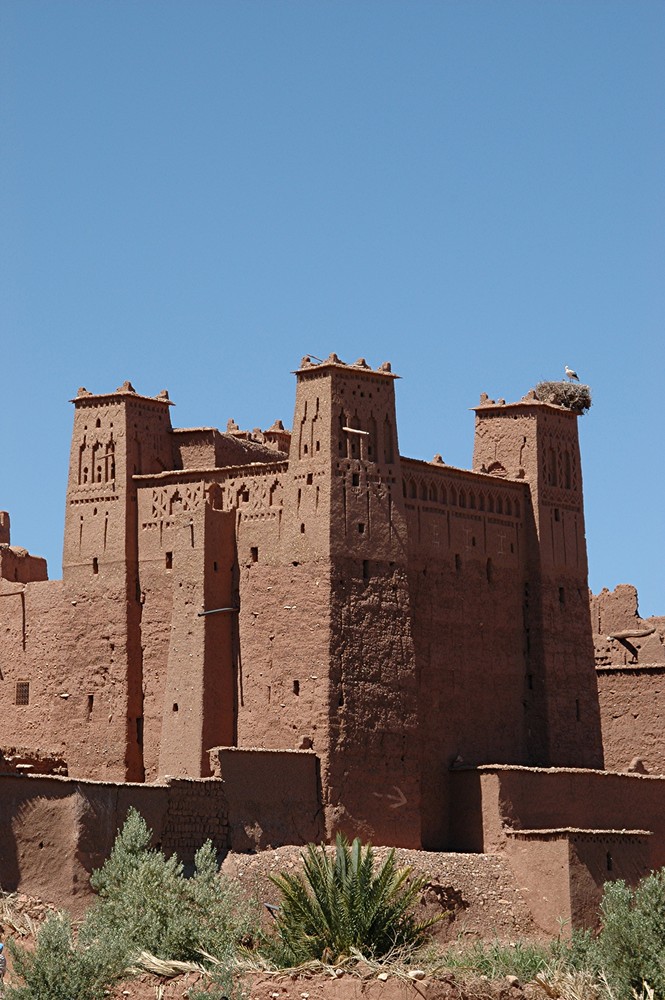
(560, 983)
(13, 916)
(571, 395)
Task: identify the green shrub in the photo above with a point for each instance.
(146, 900)
(59, 969)
(630, 947)
(340, 906)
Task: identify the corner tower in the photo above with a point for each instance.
(115, 437)
(538, 442)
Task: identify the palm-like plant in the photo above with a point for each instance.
(340, 906)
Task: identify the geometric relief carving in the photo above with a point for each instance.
(160, 504)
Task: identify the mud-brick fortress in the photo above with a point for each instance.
(269, 636)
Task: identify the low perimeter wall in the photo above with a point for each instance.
(566, 831)
(55, 831)
(493, 799)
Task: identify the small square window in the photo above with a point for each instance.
(23, 692)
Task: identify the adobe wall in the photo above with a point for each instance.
(274, 797)
(630, 670)
(65, 651)
(492, 800)
(561, 873)
(55, 831)
(632, 706)
(466, 574)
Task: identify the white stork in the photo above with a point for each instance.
(571, 374)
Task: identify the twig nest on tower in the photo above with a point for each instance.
(571, 395)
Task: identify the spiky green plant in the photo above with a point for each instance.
(340, 906)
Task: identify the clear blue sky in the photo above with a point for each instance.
(194, 194)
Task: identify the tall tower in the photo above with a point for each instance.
(538, 442)
(116, 436)
(345, 436)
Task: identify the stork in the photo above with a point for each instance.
(573, 376)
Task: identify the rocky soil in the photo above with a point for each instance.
(477, 894)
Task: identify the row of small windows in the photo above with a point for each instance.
(439, 493)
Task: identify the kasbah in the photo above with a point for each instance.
(267, 637)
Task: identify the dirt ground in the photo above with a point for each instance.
(476, 893)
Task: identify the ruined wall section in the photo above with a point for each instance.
(538, 443)
(206, 447)
(16, 563)
(466, 573)
(630, 669)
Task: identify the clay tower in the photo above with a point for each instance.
(345, 437)
(115, 437)
(538, 442)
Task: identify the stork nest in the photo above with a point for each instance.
(570, 395)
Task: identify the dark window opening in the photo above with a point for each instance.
(556, 513)
(318, 445)
(245, 496)
(254, 551)
(355, 479)
(139, 730)
(608, 861)
(91, 702)
(95, 565)
(365, 569)
(169, 560)
(562, 595)
(175, 706)
(340, 700)
(302, 529)
(23, 692)
(310, 478)
(305, 449)
(361, 528)
(215, 567)
(296, 687)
